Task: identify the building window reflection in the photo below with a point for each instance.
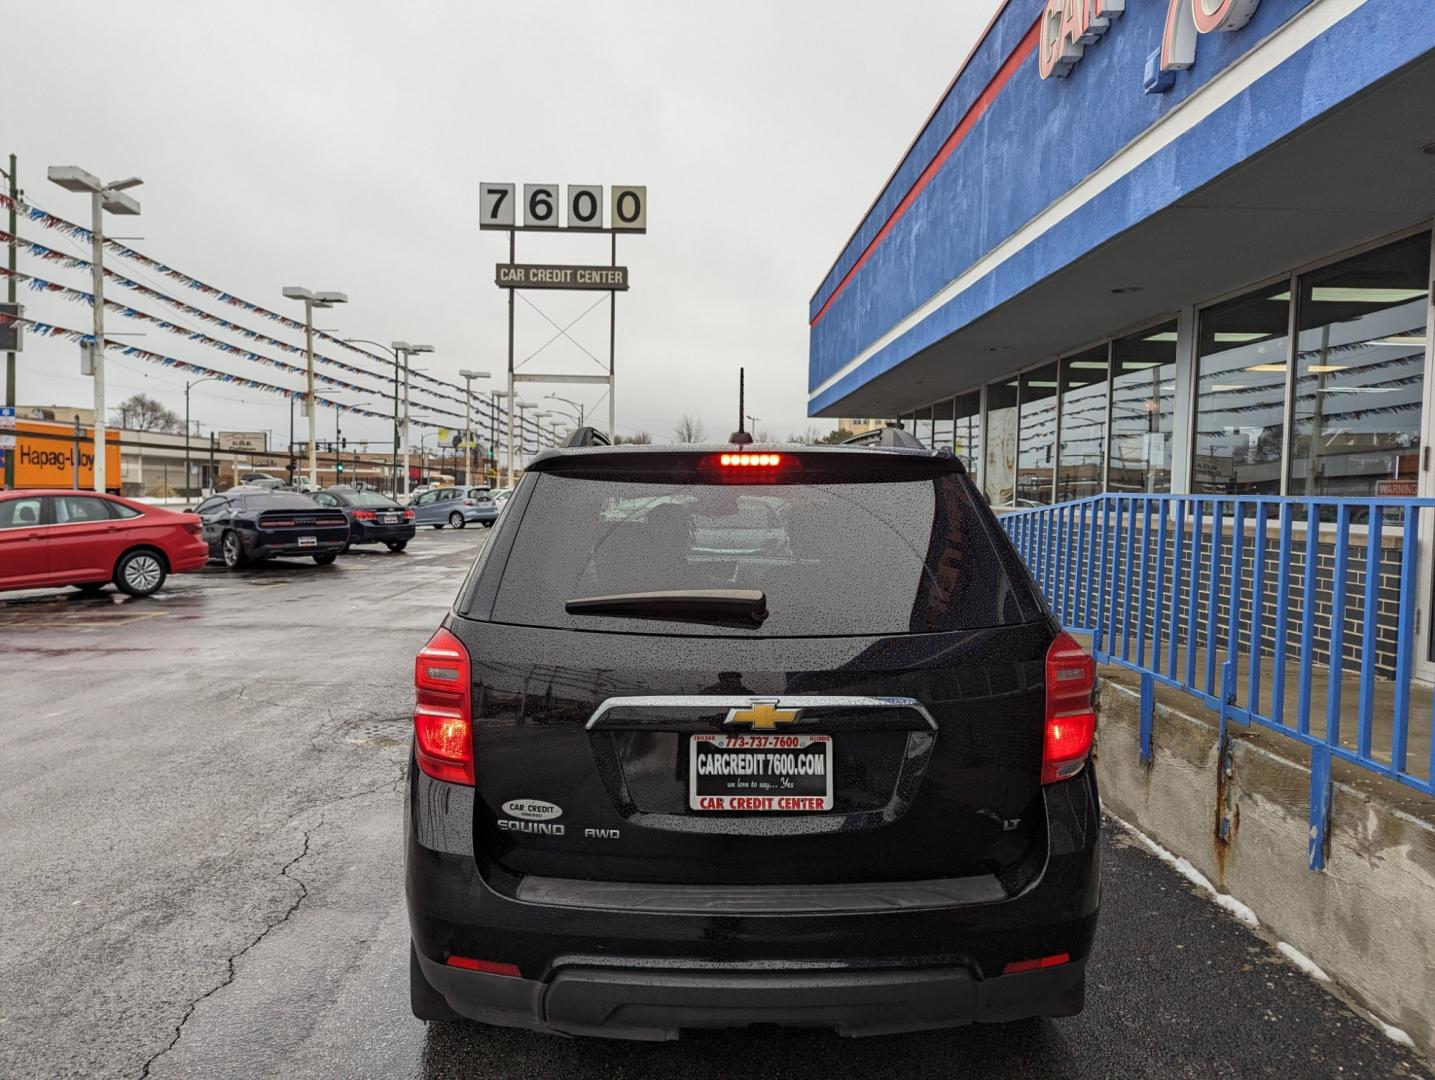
(1143, 410)
(1000, 479)
(922, 425)
(1036, 456)
(967, 420)
(942, 425)
(1083, 423)
(1242, 350)
(1360, 368)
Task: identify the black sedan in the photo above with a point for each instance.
(244, 524)
(373, 518)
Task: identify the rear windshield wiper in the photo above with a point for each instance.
(719, 607)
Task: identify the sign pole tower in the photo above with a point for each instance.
(628, 212)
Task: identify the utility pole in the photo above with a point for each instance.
(103, 197)
(187, 387)
(10, 391)
(512, 401)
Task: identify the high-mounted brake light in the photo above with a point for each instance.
(443, 713)
(1070, 717)
(764, 461)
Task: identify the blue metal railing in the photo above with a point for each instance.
(1246, 602)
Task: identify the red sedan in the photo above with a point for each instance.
(85, 539)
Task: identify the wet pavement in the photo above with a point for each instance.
(200, 814)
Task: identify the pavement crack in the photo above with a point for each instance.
(230, 970)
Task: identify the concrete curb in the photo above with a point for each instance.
(1368, 919)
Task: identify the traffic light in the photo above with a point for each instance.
(339, 468)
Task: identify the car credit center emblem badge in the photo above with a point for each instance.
(532, 809)
(763, 714)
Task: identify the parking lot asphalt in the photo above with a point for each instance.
(200, 815)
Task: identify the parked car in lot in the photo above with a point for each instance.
(818, 755)
(262, 480)
(455, 507)
(58, 537)
(373, 518)
(244, 524)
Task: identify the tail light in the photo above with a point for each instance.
(194, 528)
(365, 515)
(408, 515)
(1070, 716)
(443, 713)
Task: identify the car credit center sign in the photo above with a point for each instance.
(534, 276)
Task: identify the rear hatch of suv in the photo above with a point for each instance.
(840, 681)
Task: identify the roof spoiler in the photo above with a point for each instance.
(586, 436)
(890, 435)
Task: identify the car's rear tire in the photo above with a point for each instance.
(426, 1002)
(231, 550)
(326, 557)
(396, 546)
(488, 524)
(140, 573)
(456, 520)
(439, 525)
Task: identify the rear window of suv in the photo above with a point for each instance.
(834, 558)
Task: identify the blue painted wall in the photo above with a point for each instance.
(1042, 137)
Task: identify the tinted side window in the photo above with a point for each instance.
(19, 513)
(120, 510)
(209, 506)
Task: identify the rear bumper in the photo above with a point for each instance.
(374, 534)
(475, 514)
(321, 546)
(645, 973)
(188, 557)
(625, 1001)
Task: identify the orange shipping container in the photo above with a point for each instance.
(45, 456)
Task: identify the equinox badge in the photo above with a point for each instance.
(762, 714)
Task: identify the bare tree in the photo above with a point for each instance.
(809, 437)
(690, 429)
(144, 413)
(638, 438)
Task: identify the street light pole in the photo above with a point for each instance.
(103, 197)
(187, 386)
(493, 430)
(312, 300)
(468, 377)
(576, 404)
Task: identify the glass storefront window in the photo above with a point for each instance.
(1360, 369)
(922, 426)
(1000, 480)
(942, 425)
(1036, 457)
(1242, 348)
(1143, 400)
(1083, 424)
(967, 419)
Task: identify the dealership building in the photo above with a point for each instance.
(1157, 246)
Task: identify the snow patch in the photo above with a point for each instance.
(1302, 961)
(1394, 1034)
(1191, 874)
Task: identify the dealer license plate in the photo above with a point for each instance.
(764, 773)
(307, 541)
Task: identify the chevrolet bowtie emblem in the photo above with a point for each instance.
(762, 715)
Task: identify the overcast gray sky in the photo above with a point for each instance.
(339, 145)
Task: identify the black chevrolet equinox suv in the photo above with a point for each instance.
(737, 735)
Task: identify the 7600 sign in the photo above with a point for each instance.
(543, 209)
